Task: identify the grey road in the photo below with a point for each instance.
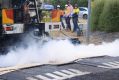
(96, 68)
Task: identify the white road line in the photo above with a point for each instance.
(101, 66)
(42, 77)
(53, 76)
(31, 78)
(116, 62)
(110, 65)
(68, 72)
(74, 70)
(113, 63)
(78, 72)
(60, 73)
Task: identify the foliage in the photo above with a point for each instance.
(60, 2)
(82, 3)
(95, 14)
(105, 16)
(109, 19)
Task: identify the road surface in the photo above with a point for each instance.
(96, 68)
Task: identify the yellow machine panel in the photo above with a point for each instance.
(7, 16)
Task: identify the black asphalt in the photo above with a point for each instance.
(88, 65)
(107, 75)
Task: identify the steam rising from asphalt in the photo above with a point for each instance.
(56, 52)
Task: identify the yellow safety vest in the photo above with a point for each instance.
(76, 10)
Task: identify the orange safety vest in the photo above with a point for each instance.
(56, 14)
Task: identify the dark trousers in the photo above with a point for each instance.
(61, 20)
(67, 19)
(75, 22)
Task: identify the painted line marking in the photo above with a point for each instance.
(116, 62)
(31, 78)
(42, 77)
(79, 72)
(110, 65)
(113, 63)
(53, 76)
(67, 72)
(60, 73)
(107, 64)
(101, 66)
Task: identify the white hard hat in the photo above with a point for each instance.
(66, 5)
(58, 6)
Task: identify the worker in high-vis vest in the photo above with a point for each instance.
(75, 18)
(57, 15)
(61, 13)
(67, 15)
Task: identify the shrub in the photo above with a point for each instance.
(95, 14)
(82, 3)
(105, 16)
(109, 19)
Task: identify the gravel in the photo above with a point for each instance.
(99, 37)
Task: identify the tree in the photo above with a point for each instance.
(81, 3)
(105, 16)
(59, 2)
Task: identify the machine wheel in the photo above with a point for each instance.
(85, 16)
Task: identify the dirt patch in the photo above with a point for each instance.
(95, 37)
(99, 37)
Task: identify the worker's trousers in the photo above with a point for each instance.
(75, 22)
(67, 19)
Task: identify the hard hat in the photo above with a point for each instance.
(58, 6)
(66, 5)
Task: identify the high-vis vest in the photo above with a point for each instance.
(76, 10)
(56, 14)
(75, 13)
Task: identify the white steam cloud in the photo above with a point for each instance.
(57, 52)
